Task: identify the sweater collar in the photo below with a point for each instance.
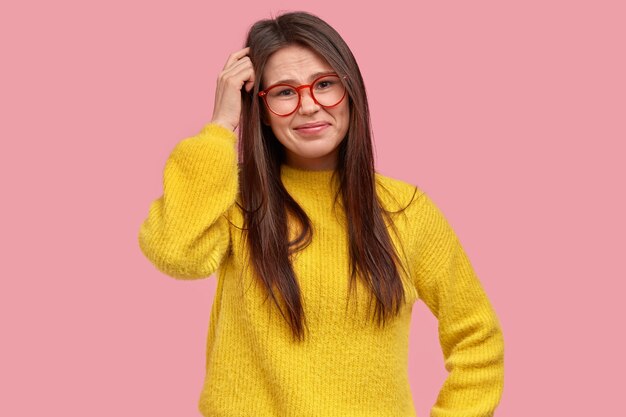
(313, 180)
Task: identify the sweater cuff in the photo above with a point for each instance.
(217, 130)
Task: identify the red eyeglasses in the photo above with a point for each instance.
(284, 99)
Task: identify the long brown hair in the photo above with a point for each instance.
(265, 201)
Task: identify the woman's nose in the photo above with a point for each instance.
(307, 104)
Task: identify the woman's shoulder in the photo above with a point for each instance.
(396, 194)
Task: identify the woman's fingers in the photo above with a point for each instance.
(242, 71)
(235, 56)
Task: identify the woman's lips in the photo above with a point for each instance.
(311, 130)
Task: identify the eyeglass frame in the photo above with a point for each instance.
(263, 93)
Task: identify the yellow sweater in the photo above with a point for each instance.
(348, 366)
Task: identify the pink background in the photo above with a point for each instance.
(511, 116)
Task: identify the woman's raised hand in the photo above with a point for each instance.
(237, 73)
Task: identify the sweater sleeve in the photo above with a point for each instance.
(470, 333)
(186, 233)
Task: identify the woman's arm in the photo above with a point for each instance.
(186, 234)
(469, 331)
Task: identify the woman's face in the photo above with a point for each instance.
(305, 150)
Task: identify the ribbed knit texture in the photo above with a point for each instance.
(347, 366)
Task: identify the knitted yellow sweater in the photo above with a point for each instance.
(348, 366)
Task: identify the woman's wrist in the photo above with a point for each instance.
(223, 124)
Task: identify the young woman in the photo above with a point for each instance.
(319, 258)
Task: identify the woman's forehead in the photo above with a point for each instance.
(294, 65)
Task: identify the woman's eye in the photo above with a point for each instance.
(285, 92)
(323, 84)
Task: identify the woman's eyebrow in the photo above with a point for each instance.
(311, 77)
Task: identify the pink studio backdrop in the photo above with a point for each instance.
(511, 115)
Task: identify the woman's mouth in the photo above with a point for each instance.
(311, 130)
